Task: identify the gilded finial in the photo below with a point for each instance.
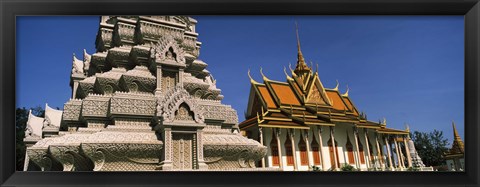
(346, 93)
(261, 72)
(286, 74)
(301, 66)
(290, 67)
(251, 79)
(407, 128)
(336, 87)
(384, 122)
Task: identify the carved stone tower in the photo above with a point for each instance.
(143, 101)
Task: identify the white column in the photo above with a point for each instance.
(294, 152)
(397, 151)
(407, 151)
(320, 149)
(389, 153)
(332, 131)
(379, 153)
(308, 148)
(368, 148)
(357, 162)
(260, 131)
(280, 159)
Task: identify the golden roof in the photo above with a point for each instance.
(302, 101)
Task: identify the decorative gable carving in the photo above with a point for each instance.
(167, 49)
(170, 104)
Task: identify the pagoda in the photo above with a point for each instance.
(455, 157)
(142, 102)
(306, 126)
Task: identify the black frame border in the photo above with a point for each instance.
(10, 9)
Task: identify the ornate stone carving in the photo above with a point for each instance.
(171, 102)
(168, 49)
(72, 110)
(138, 79)
(95, 105)
(183, 113)
(133, 103)
(220, 112)
(108, 83)
(104, 37)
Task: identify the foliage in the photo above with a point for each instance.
(347, 167)
(413, 169)
(21, 117)
(315, 168)
(430, 146)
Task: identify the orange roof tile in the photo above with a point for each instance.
(285, 94)
(336, 99)
(350, 105)
(295, 85)
(266, 96)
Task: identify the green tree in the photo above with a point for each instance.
(21, 118)
(430, 146)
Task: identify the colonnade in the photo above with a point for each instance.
(381, 151)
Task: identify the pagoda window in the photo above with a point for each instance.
(362, 153)
(331, 149)
(303, 152)
(289, 151)
(349, 146)
(315, 151)
(274, 150)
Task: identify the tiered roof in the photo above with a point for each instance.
(302, 101)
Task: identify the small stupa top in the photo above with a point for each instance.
(302, 101)
(457, 146)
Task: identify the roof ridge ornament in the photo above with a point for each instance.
(346, 93)
(265, 78)
(336, 87)
(286, 74)
(251, 79)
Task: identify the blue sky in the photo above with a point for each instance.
(408, 69)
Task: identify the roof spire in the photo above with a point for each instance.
(455, 132)
(457, 145)
(301, 66)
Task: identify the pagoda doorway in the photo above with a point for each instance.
(183, 151)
